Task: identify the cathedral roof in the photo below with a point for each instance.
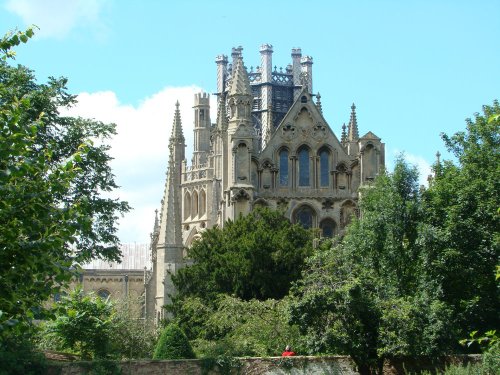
(240, 83)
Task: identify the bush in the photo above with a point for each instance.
(18, 357)
(173, 344)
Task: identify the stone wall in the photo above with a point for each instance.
(267, 366)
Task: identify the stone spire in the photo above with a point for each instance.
(343, 138)
(169, 247)
(353, 125)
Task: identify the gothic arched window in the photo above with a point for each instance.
(284, 167)
(324, 167)
(305, 217)
(304, 167)
(103, 293)
(187, 205)
(195, 203)
(327, 228)
(203, 202)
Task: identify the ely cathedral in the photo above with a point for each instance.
(269, 146)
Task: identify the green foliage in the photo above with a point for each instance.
(246, 328)
(83, 324)
(417, 270)
(462, 203)
(53, 171)
(131, 336)
(173, 344)
(18, 356)
(80, 319)
(368, 296)
(13, 39)
(256, 256)
(227, 301)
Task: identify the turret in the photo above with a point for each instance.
(266, 58)
(296, 70)
(307, 80)
(201, 128)
(221, 62)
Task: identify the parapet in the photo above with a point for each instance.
(296, 52)
(201, 98)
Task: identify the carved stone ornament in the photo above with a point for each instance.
(288, 132)
(319, 131)
(327, 204)
(240, 195)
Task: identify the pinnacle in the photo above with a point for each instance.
(240, 84)
(353, 125)
(177, 125)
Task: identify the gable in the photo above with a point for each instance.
(303, 124)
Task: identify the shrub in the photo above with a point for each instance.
(18, 357)
(173, 344)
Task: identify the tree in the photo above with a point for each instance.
(256, 256)
(368, 296)
(462, 202)
(173, 344)
(55, 179)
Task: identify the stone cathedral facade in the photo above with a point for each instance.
(270, 146)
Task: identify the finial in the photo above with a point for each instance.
(156, 221)
(318, 102)
(438, 157)
(177, 104)
(343, 138)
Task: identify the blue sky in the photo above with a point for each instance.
(413, 68)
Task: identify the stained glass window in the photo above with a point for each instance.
(324, 168)
(304, 216)
(284, 168)
(304, 168)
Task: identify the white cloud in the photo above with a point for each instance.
(57, 18)
(140, 149)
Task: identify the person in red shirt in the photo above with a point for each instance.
(288, 352)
